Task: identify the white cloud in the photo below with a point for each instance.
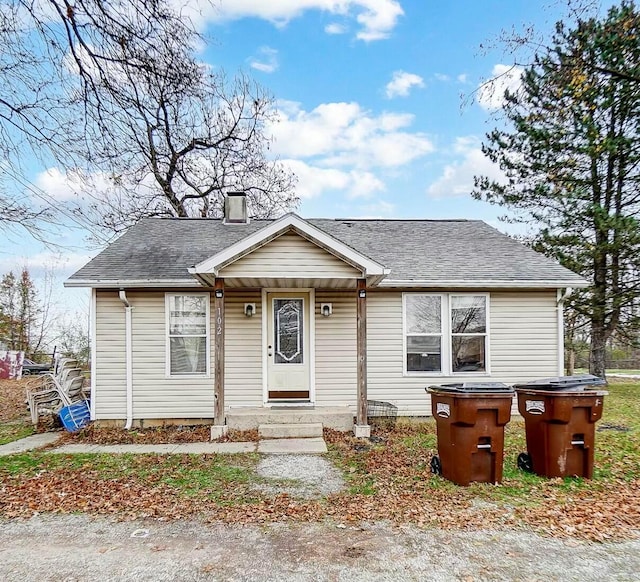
(457, 178)
(335, 28)
(343, 134)
(377, 18)
(60, 265)
(314, 181)
(401, 83)
(503, 78)
(463, 78)
(266, 60)
(442, 77)
(65, 187)
(57, 185)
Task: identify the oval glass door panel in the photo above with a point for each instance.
(287, 314)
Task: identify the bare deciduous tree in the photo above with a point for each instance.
(115, 89)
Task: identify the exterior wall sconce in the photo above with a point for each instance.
(249, 309)
(219, 293)
(326, 309)
(362, 293)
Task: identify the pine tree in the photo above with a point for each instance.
(571, 156)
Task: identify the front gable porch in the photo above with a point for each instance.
(288, 261)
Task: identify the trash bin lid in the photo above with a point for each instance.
(560, 383)
(482, 387)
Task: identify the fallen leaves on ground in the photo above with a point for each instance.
(148, 436)
(170, 434)
(388, 478)
(13, 400)
(388, 481)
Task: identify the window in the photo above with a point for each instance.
(445, 333)
(188, 334)
(423, 325)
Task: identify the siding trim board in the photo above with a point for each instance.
(94, 308)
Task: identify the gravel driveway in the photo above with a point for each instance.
(76, 548)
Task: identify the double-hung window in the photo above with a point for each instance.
(446, 333)
(187, 334)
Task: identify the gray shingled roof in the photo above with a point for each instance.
(430, 250)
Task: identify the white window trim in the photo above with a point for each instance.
(446, 348)
(167, 357)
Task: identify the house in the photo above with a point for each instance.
(196, 320)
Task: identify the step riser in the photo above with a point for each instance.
(248, 419)
(289, 431)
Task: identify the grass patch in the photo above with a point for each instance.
(15, 430)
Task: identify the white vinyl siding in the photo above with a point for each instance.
(524, 335)
(289, 255)
(523, 344)
(154, 394)
(336, 357)
(110, 371)
(243, 350)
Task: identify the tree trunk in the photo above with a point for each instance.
(571, 361)
(597, 355)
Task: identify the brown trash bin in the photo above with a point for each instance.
(470, 421)
(560, 415)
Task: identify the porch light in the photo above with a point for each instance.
(326, 309)
(249, 309)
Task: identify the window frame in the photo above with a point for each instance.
(447, 335)
(167, 311)
(442, 335)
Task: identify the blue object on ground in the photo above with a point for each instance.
(75, 416)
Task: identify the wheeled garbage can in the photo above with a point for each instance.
(560, 415)
(470, 420)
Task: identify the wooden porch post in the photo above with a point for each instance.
(362, 429)
(219, 428)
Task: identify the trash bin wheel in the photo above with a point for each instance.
(436, 465)
(524, 463)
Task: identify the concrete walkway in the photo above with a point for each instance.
(29, 443)
(306, 446)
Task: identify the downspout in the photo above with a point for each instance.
(128, 357)
(562, 295)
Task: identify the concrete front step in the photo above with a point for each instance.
(289, 431)
(335, 417)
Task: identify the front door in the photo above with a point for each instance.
(288, 362)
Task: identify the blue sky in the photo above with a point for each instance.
(377, 115)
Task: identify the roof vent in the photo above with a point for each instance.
(235, 208)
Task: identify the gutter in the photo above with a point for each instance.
(482, 284)
(128, 356)
(119, 283)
